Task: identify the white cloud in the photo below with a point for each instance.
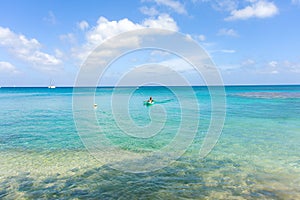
(248, 62)
(163, 21)
(149, 11)
(178, 65)
(188, 37)
(83, 25)
(293, 67)
(228, 32)
(225, 5)
(264, 68)
(50, 18)
(258, 9)
(69, 37)
(9, 39)
(201, 38)
(274, 72)
(105, 29)
(273, 67)
(6, 67)
(28, 50)
(172, 4)
(160, 53)
(227, 51)
(273, 64)
(245, 65)
(59, 53)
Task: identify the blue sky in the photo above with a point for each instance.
(250, 41)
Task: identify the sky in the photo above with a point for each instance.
(249, 41)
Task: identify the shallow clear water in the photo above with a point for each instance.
(256, 157)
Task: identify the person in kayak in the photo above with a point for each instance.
(150, 100)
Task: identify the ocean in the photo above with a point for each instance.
(55, 144)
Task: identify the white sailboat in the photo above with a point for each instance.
(51, 86)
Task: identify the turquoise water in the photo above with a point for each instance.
(257, 155)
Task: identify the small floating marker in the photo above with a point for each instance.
(95, 105)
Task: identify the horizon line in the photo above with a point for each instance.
(112, 86)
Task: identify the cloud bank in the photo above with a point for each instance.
(258, 9)
(29, 50)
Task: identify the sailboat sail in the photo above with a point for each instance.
(51, 86)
